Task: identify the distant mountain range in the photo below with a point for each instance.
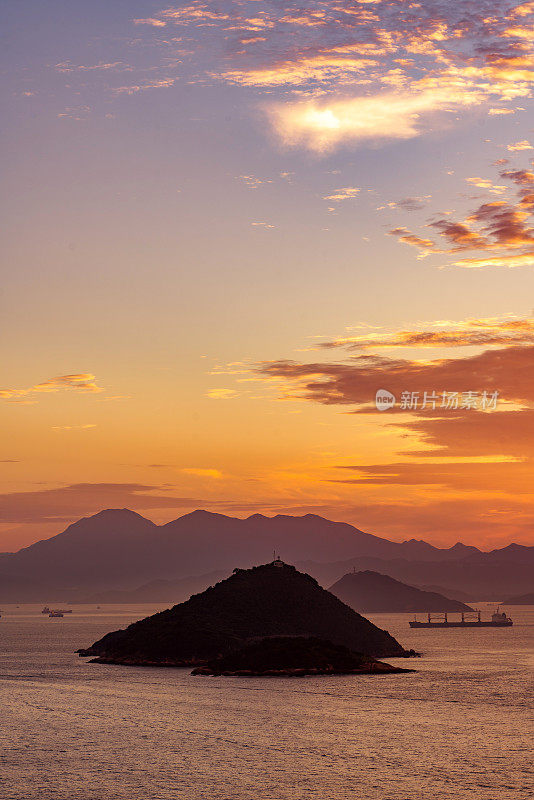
(120, 551)
(158, 591)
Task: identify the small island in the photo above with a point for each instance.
(264, 602)
(294, 657)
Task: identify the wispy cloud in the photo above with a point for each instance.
(347, 193)
(203, 472)
(142, 86)
(155, 23)
(407, 203)
(81, 382)
(85, 427)
(67, 503)
(222, 394)
(252, 182)
(485, 183)
(498, 331)
(523, 145)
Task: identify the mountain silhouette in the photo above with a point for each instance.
(119, 549)
(372, 592)
(270, 600)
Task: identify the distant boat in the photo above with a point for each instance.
(56, 611)
(56, 614)
(498, 620)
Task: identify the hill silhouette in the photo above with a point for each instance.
(370, 592)
(269, 600)
(521, 599)
(485, 576)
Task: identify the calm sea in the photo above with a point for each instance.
(460, 728)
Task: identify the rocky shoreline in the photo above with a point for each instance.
(280, 656)
(294, 656)
(379, 668)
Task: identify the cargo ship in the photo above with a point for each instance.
(469, 619)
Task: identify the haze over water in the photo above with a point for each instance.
(461, 726)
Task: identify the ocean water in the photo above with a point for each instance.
(460, 728)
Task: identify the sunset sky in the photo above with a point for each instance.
(226, 225)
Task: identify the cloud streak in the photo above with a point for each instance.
(66, 503)
(505, 331)
(84, 382)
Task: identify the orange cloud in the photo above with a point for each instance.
(508, 371)
(520, 260)
(498, 226)
(485, 183)
(478, 476)
(426, 246)
(81, 499)
(523, 145)
(468, 333)
(73, 427)
(222, 394)
(202, 472)
(81, 382)
(347, 193)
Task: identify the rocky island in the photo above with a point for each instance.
(271, 600)
(294, 657)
